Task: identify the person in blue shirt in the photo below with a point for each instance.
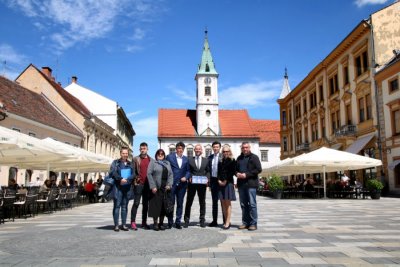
(122, 171)
(181, 172)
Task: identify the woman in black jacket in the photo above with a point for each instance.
(226, 171)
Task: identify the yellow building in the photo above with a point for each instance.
(387, 81)
(336, 104)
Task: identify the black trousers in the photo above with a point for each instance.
(141, 192)
(201, 193)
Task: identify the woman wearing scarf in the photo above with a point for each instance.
(159, 175)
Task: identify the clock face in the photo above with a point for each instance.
(207, 80)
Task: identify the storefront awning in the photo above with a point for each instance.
(359, 144)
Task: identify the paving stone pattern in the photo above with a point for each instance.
(290, 233)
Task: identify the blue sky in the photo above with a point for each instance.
(144, 54)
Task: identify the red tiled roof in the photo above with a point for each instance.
(30, 105)
(267, 130)
(182, 123)
(72, 100)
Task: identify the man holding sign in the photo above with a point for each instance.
(199, 175)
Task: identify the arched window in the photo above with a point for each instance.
(207, 90)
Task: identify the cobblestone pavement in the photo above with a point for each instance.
(290, 233)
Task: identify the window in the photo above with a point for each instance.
(297, 111)
(369, 107)
(393, 85)
(313, 99)
(264, 155)
(333, 84)
(284, 117)
(361, 109)
(314, 131)
(207, 90)
(208, 151)
(290, 142)
(290, 116)
(323, 127)
(361, 63)
(396, 122)
(338, 124)
(298, 137)
(171, 150)
(346, 79)
(208, 113)
(16, 129)
(306, 134)
(189, 152)
(32, 134)
(321, 93)
(304, 105)
(285, 143)
(333, 121)
(348, 115)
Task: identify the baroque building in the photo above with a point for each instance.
(337, 104)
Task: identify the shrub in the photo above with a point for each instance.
(275, 183)
(373, 184)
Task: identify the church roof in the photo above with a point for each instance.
(267, 130)
(32, 106)
(207, 64)
(233, 124)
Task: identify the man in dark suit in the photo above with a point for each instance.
(199, 176)
(180, 169)
(214, 159)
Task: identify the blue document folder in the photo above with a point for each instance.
(125, 173)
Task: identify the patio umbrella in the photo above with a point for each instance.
(325, 160)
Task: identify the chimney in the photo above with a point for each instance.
(74, 79)
(47, 71)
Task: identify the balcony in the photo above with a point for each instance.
(346, 130)
(305, 147)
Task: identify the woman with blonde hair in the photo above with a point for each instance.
(226, 171)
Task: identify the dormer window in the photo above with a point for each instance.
(207, 68)
(207, 90)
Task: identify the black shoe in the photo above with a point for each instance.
(156, 228)
(178, 226)
(161, 226)
(124, 228)
(116, 228)
(202, 224)
(169, 226)
(186, 224)
(213, 224)
(145, 226)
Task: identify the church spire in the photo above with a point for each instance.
(207, 64)
(286, 87)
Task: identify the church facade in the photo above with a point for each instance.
(207, 123)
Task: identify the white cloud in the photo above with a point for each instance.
(146, 127)
(361, 3)
(8, 54)
(250, 94)
(133, 113)
(133, 48)
(69, 22)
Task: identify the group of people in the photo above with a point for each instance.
(166, 179)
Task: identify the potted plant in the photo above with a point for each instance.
(276, 186)
(374, 186)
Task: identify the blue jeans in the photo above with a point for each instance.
(120, 203)
(178, 193)
(248, 203)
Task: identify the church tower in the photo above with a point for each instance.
(207, 94)
(286, 87)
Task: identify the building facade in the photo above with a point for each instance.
(208, 123)
(387, 81)
(30, 113)
(336, 104)
(105, 111)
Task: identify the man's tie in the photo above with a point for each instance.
(198, 162)
(215, 165)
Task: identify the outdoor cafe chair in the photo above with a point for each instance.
(7, 208)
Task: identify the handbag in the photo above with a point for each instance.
(131, 193)
(168, 202)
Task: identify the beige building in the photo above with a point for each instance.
(335, 104)
(387, 81)
(30, 113)
(98, 136)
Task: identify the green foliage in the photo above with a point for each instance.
(373, 184)
(275, 183)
